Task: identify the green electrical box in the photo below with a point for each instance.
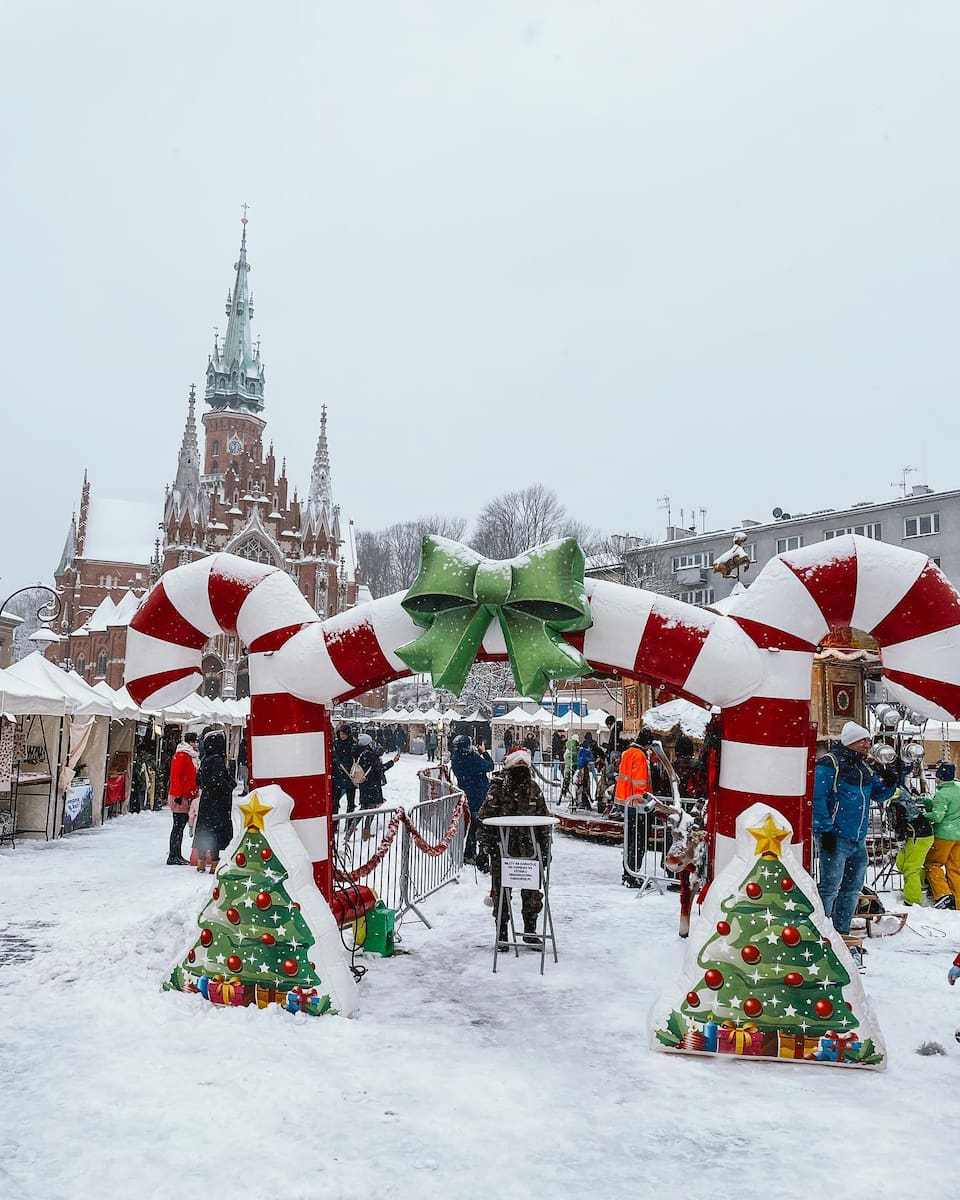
(380, 930)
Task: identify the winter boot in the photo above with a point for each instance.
(946, 901)
(530, 935)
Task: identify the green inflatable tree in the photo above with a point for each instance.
(254, 945)
(767, 979)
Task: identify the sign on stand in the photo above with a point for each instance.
(520, 872)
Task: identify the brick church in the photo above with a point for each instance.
(229, 495)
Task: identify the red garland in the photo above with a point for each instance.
(424, 847)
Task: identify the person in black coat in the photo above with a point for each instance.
(371, 787)
(214, 828)
(344, 755)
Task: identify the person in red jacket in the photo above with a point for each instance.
(182, 789)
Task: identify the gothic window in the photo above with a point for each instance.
(101, 670)
(81, 665)
(215, 448)
(254, 550)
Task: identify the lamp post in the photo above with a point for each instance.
(42, 637)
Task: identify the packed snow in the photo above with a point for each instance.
(452, 1081)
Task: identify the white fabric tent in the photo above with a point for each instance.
(35, 671)
(21, 698)
(516, 716)
(452, 715)
(432, 714)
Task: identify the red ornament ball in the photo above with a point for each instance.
(234, 963)
(313, 966)
(754, 890)
(723, 928)
(693, 999)
(268, 939)
(713, 979)
(264, 899)
(191, 955)
(233, 916)
(290, 966)
(750, 954)
(823, 1008)
(752, 1007)
(849, 1005)
(241, 859)
(827, 942)
(793, 979)
(216, 893)
(787, 884)
(206, 937)
(296, 905)
(266, 854)
(790, 935)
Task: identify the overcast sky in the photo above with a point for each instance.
(632, 250)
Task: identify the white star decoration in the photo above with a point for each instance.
(789, 1011)
(789, 905)
(772, 938)
(814, 970)
(756, 977)
(807, 955)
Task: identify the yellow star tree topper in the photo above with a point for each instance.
(254, 812)
(768, 836)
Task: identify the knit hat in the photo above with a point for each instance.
(520, 757)
(852, 732)
(364, 740)
(946, 771)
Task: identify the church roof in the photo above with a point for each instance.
(121, 531)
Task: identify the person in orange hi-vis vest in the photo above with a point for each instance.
(633, 779)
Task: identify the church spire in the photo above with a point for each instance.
(187, 483)
(320, 477)
(235, 372)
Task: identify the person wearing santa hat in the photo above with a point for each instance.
(514, 793)
(845, 785)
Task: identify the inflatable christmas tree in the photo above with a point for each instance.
(769, 977)
(267, 936)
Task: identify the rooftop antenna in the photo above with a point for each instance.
(663, 502)
(703, 519)
(901, 483)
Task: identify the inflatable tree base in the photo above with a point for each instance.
(766, 976)
(267, 936)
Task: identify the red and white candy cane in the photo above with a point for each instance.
(755, 662)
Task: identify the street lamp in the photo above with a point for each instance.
(46, 612)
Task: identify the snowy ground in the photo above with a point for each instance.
(452, 1082)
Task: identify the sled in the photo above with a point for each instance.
(877, 925)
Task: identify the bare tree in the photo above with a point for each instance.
(634, 561)
(515, 521)
(389, 557)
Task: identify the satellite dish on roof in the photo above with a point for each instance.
(777, 514)
(784, 516)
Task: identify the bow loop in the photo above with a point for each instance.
(536, 597)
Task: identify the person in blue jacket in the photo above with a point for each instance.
(471, 766)
(844, 787)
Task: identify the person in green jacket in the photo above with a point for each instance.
(943, 861)
(569, 763)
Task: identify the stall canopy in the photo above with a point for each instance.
(452, 715)
(35, 671)
(516, 716)
(21, 698)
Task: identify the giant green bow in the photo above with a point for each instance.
(536, 597)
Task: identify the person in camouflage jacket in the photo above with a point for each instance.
(513, 793)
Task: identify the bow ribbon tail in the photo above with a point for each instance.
(446, 651)
(538, 653)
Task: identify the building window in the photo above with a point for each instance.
(789, 543)
(81, 665)
(215, 448)
(751, 549)
(921, 526)
(870, 531)
(698, 596)
(935, 561)
(101, 668)
(255, 551)
(682, 561)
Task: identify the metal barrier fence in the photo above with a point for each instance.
(380, 839)
(645, 844)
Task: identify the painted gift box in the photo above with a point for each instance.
(265, 996)
(745, 1040)
(794, 1045)
(837, 1047)
(301, 1000)
(225, 991)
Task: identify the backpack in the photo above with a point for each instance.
(357, 774)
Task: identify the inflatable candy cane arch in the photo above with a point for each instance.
(754, 661)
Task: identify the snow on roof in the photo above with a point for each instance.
(103, 615)
(121, 531)
(127, 608)
(691, 718)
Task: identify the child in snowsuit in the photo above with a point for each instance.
(913, 825)
(943, 861)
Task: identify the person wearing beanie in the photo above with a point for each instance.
(343, 755)
(514, 793)
(844, 787)
(471, 766)
(943, 860)
(374, 776)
